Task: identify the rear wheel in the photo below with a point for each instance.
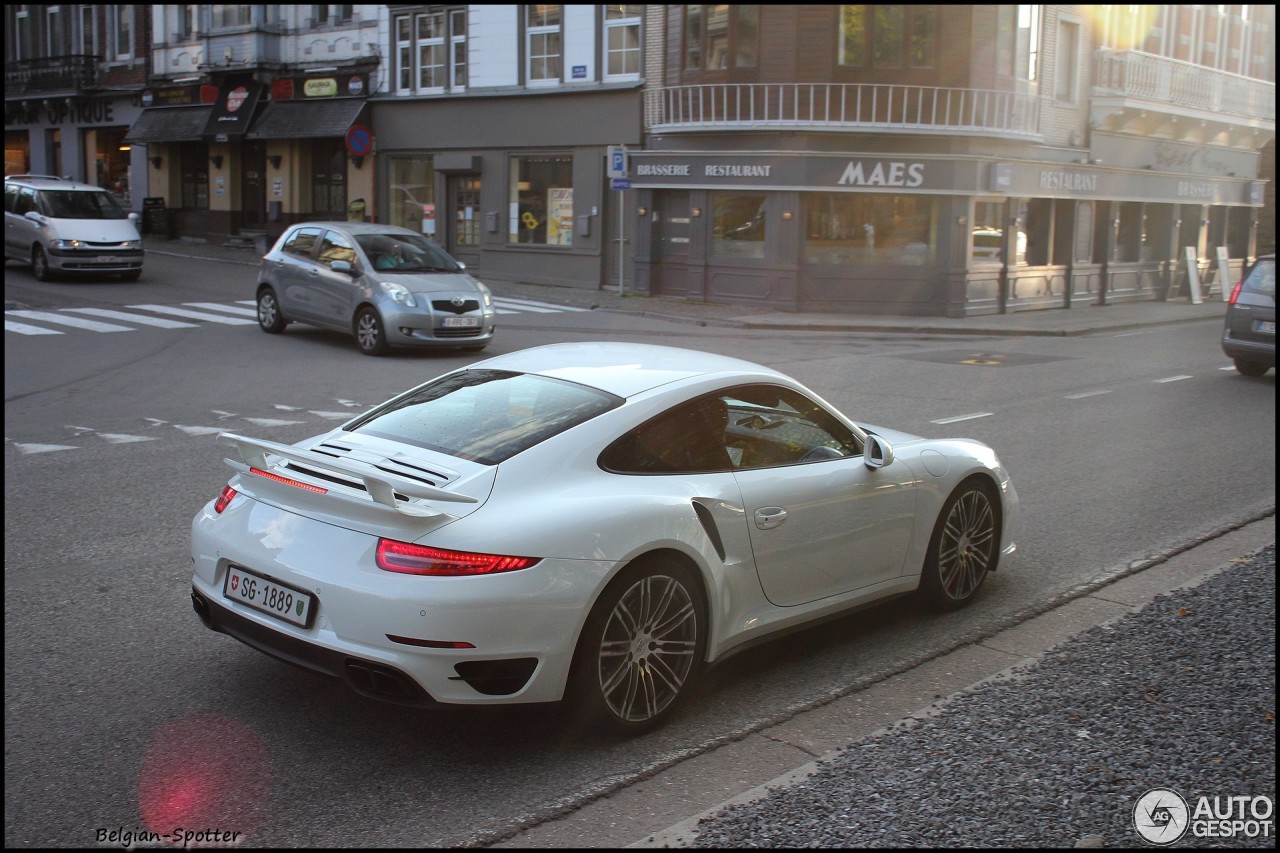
(40, 264)
(370, 336)
(1251, 368)
(964, 548)
(269, 316)
(642, 648)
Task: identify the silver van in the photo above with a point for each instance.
(64, 227)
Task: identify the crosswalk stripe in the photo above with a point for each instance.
(230, 309)
(533, 306)
(134, 318)
(24, 329)
(64, 320)
(195, 315)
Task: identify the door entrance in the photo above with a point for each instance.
(462, 231)
(671, 229)
(253, 185)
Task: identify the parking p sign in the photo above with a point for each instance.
(617, 161)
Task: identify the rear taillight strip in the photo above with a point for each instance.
(288, 482)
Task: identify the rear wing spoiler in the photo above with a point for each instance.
(382, 486)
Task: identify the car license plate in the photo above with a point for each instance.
(108, 259)
(463, 322)
(271, 597)
(1266, 327)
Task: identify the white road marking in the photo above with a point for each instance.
(1173, 379)
(230, 309)
(534, 306)
(119, 438)
(1086, 394)
(959, 418)
(270, 422)
(333, 416)
(42, 448)
(64, 320)
(24, 329)
(195, 315)
(197, 430)
(134, 318)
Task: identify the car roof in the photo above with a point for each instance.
(621, 368)
(357, 228)
(51, 182)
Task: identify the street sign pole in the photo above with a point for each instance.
(618, 173)
(622, 288)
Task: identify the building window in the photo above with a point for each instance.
(412, 186)
(622, 40)
(86, 36)
(737, 224)
(120, 23)
(54, 36)
(231, 16)
(1027, 52)
(1066, 73)
(107, 160)
(540, 200)
(730, 37)
(329, 178)
(404, 53)
(431, 52)
(887, 37)
(188, 21)
(861, 228)
(458, 48)
(543, 45)
(194, 172)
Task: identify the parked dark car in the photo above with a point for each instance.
(1249, 331)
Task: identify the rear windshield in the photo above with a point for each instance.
(1262, 279)
(485, 416)
(81, 204)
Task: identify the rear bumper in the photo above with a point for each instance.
(1253, 351)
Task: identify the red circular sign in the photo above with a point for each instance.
(236, 98)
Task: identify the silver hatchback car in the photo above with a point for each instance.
(386, 285)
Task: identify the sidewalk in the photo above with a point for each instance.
(1079, 320)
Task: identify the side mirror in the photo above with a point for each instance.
(877, 453)
(342, 266)
(461, 266)
(34, 216)
(134, 218)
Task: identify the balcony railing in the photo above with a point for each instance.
(50, 74)
(842, 106)
(1182, 85)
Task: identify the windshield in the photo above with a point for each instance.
(485, 416)
(405, 253)
(81, 204)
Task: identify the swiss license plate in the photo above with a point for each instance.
(1267, 327)
(271, 597)
(461, 322)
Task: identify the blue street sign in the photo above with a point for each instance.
(620, 184)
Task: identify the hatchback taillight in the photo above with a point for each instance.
(224, 498)
(410, 559)
(1236, 292)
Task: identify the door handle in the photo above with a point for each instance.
(770, 517)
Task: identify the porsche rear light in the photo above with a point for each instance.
(224, 498)
(1236, 292)
(410, 559)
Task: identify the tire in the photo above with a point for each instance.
(270, 318)
(964, 547)
(642, 648)
(1251, 368)
(371, 337)
(40, 264)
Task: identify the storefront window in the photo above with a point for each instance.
(541, 200)
(17, 152)
(737, 225)
(329, 178)
(108, 156)
(848, 228)
(412, 186)
(194, 157)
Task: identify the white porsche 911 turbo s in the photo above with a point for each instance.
(594, 522)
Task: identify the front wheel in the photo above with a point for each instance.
(370, 336)
(269, 317)
(642, 648)
(40, 264)
(1251, 368)
(964, 548)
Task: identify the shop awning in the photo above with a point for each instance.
(170, 124)
(306, 119)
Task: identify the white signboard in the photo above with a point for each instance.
(1224, 273)
(1193, 274)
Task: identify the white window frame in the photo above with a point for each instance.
(22, 32)
(402, 38)
(545, 35)
(432, 43)
(86, 37)
(458, 70)
(1066, 83)
(242, 14)
(623, 22)
(116, 16)
(51, 27)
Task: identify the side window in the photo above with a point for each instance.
(336, 248)
(302, 242)
(10, 199)
(27, 201)
(684, 439)
(770, 426)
